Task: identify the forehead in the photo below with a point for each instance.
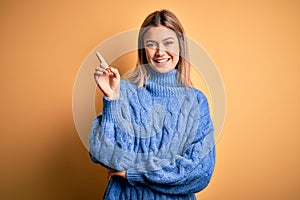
(159, 33)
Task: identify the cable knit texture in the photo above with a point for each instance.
(161, 134)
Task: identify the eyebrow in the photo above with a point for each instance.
(162, 40)
(168, 38)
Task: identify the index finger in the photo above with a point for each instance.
(101, 59)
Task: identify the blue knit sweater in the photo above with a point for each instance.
(161, 134)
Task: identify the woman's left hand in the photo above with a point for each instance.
(112, 173)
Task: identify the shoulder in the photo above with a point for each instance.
(201, 98)
(127, 88)
(125, 84)
(201, 101)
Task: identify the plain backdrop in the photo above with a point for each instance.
(255, 45)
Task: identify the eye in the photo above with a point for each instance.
(151, 45)
(169, 42)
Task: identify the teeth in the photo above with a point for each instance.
(164, 60)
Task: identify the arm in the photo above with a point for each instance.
(192, 170)
(108, 81)
(102, 151)
(107, 146)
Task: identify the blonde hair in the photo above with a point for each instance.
(140, 74)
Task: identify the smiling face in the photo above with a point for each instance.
(162, 48)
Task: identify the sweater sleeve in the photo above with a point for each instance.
(105, 130)
(100, 148)
(104, 135)
(192, 170)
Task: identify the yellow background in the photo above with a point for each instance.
(255, 45)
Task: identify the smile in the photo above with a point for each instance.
(162, 60)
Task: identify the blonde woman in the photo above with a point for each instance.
(155, 135)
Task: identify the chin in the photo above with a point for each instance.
(162, 69)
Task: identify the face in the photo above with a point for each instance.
(162, 48)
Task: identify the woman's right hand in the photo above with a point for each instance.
(107, 79)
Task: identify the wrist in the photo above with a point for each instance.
(112, 96)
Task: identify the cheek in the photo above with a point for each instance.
(174, 51)
(174, 54)
(149, 53)
(176, 60)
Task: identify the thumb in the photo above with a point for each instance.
(115, 72)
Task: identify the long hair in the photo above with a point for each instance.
(140, 74)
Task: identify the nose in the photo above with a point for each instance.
(161, 50)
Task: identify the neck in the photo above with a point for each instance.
(163, 79)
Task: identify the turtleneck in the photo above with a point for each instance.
(164, 84)
(168, 79)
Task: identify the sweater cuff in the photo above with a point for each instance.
(109, 108)
(133, 177)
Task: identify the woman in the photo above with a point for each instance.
(155, 134)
